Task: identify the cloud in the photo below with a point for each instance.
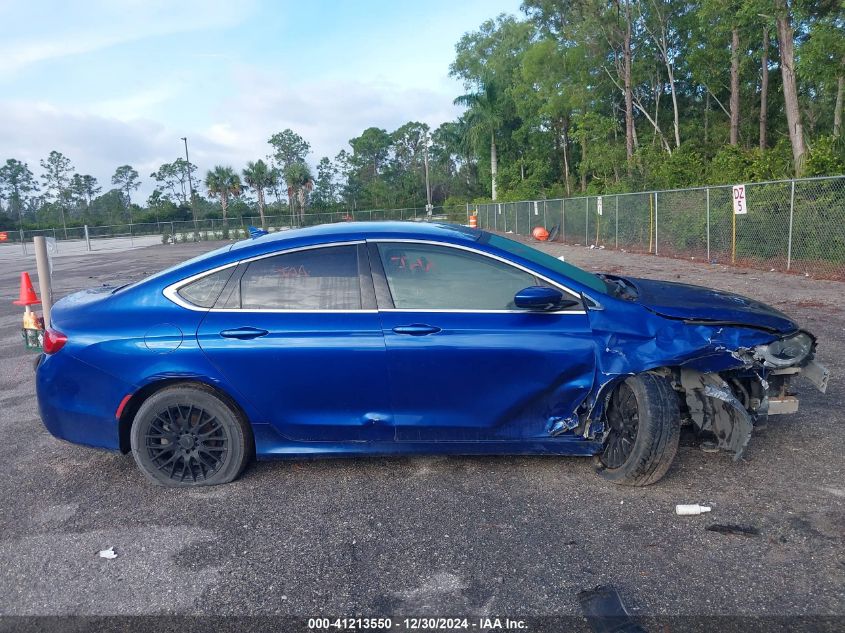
(95, 144)
(71, 28)
(327, 113)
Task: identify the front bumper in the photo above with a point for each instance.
(778, 400)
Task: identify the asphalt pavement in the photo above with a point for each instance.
(447, 536)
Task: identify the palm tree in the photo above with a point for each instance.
(484, 119)
(259, 176)
(223, 182)
(300, 182)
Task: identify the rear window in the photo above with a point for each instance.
(204, 291)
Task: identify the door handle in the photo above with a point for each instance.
(244, 333)
(417, 329)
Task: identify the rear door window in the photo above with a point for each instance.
(313, 279)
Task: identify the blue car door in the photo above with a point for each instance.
(298, 335)
(464, 363)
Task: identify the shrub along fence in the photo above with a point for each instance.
(793, 225)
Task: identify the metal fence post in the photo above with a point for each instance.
(563, 220)
(791, 215)
(655, 223)
(515, 218)
(415, 212)
(586, 220)
(544, 215)
(87, 239)
(708, 224)
(616, 230)
(23, 242)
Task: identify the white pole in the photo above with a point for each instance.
(87, 239)
(42, 267)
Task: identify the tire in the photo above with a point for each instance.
(184, 436)
(645, 426)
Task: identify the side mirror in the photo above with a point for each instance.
(542, 298)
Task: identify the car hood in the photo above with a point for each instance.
(688, 302)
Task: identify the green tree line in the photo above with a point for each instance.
(570, 97)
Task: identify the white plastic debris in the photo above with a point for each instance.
(690, 509)
(562, 258)
(107, 553)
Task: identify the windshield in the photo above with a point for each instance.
(547, 261)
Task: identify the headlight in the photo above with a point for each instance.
(792, 350)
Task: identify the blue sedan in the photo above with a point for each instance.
(409, 338)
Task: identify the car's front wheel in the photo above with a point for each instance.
(187, 436)
(644, 428)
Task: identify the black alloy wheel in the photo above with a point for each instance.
(188, 436)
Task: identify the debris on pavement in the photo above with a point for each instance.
(605, 613)
(738, 530)
(691, 509)
(107, 553)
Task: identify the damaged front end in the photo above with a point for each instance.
(729, 404)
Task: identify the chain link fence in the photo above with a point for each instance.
(78, 239)
(792, 225)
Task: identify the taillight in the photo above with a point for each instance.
(53, 341)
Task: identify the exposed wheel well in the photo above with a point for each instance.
(127, 416)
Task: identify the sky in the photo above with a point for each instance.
(113, 82)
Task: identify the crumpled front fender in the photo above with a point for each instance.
(694, 352)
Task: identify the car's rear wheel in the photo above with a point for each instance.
(644, 429)
(188, 436)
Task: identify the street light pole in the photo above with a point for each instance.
(190, 181)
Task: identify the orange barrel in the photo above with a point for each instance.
(540, 233)
(473, 221)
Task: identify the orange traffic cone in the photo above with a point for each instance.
(28, 296)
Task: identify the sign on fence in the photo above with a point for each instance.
(536, 211)
(598, 205)
(740, 204)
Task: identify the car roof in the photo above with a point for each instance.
(350, 231)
